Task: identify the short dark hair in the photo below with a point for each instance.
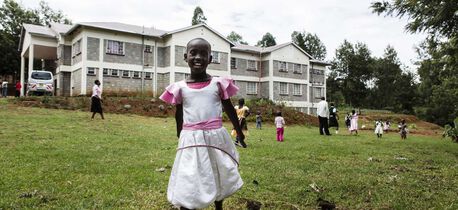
(200, 39)
(96, 81)
(278, 113)
(332, 104)
(322, 98)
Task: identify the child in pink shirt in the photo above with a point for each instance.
(280, 124)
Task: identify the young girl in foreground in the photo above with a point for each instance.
(205, 167)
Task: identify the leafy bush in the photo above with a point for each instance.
(451, 132)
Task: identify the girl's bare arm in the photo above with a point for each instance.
(179, 118)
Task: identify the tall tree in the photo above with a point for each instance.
(267, 40)
(12, 17)
(438, 68)
(198, 16)
(236, 38)
(310, 43)
(353, 67)
(387, 70)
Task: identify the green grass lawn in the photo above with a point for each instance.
(55, 159)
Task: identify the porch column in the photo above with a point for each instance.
(30, 60)
(22, 75)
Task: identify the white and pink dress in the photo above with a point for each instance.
(206, 164)
(354, 122)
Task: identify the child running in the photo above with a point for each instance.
(379, 128)
(205, 167)
(280, 124)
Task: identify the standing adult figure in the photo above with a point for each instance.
(5, 88)
(96, 100)
(333, 118)
(322, 112)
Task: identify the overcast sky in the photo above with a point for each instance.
(332, 20)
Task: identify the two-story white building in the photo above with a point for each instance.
(135, 58)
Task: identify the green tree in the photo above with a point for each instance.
(438, 68)
(387, 70)
(198, 16)
(267, 40)
(352, 66)
(12, 17)
(47, 15)
(310, 43)
(236, 38)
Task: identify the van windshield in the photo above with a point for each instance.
(41, 75)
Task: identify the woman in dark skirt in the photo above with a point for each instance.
(96, 100)
(333, 118)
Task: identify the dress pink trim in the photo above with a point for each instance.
(227, 87)
(172, 94)
(204, 125)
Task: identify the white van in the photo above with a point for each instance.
(40, 82)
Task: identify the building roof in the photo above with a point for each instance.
(196, 26)
(247, 48)
(121, 27)
(321, 62)
(256, 49)
(60, 28)
(39, 30)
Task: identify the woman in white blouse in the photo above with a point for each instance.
(96, 99)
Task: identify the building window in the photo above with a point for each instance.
(76, 48)
(115, 47)
(125, 73)
(317, 92)
(233, 63)
(148, 75)
(136, 74)
(283, 66)
(105, 72)
(297, 90)
(215, 57)
(283, 88)
(304, 68)
(91, 71)
(252, 88)
(297, 69)
(114, 72)
(148, 49)
(251, 65)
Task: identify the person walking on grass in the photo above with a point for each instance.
(205, 170)
(333, 118)
(18, 89)
(322, 112)
(96, 100)
(403, 129)
(258, 120)
(280, 125)
(5, 88)
(379, 128)
(354, 122)
(242, 113)
(386, 126)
